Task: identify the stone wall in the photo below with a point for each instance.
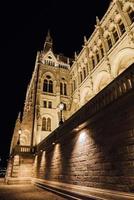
(95, 147)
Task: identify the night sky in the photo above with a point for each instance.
(23, 28)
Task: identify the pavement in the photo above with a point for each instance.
(26, 192)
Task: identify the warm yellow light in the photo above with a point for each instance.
(82, 136)
(20, 131)
(61, 106)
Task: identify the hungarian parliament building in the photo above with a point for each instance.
(61, 86)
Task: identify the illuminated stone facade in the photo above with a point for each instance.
(108, 52)
(74, 82)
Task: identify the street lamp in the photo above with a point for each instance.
(61, 107)
(19, 132)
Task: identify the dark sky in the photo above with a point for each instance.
(23, 28)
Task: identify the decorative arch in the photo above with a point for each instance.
(122, 61)
(46, 123)
(25, 138)
(85, 95)
(101, 80)
(48, 81)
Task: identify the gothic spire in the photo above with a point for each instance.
(48, 42)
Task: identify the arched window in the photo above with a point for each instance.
(115, 34)
(97, 56)
(45, 85)
(81, 77)
(84, 72)
(65, 89)
(121, 27)
(101, 51)
(48, 85)
(93, 62)
(131, 14)
(48, 124)
(74, 85)
(44, 125)
(61, 88)
(109, 42)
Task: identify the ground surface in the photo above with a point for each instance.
(25, 192)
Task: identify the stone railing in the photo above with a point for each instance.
(23, 149)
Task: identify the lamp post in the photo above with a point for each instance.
(19, 132)
(61, 107)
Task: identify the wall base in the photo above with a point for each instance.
(13, 181)
(75, 191)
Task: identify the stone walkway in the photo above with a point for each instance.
(26, 192)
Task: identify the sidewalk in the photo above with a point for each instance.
(25, 192)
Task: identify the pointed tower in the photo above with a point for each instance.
(48, 43)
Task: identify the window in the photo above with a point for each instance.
(44, 127)
(115, 34)
(74, 85)
(93, 62)
(65, 106)
(109, 42)
(101, 51)
(48, 85)
(49, 104)
(122, 27)
(45, 104)
(97, 56)
(46, 124)
(45, 86)
(63, 88)
(131, 14)
(84, 72)
(81, 77)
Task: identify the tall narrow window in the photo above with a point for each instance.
(65, 89)
(50, 86)
(109, 42)
(49, 104)
(84, 72)
(65, 106)
(44, 127)
(97, 56)
(45, 85)
(61, 88)
(74, 85)
(115, 34)
(122, 27)
(101, 51)
(131, 14)
(45, 104)
(93, 62)
(48, 124)
(81, 77)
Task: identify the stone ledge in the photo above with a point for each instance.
(81, 191)
(22, 180)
